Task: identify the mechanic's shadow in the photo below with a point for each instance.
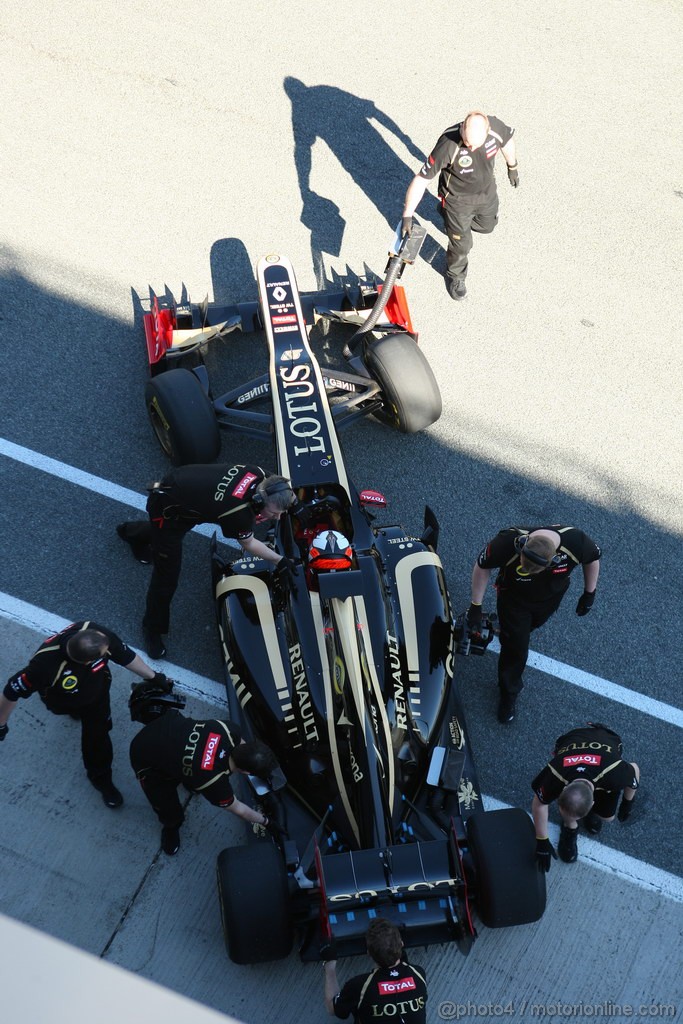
(344, 122)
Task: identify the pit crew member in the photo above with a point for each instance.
(234, 497)
(70, 673)
(534, 565)
(172, 750)
(585, 775)
(463, 158)
(394, 990)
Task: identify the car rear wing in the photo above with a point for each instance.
(420, 887)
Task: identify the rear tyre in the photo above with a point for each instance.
(182, 417)
(411, 395)
(254, 899)
(510, 889)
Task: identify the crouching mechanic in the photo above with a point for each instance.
(233, 497)
(172, 750)
(70, 673)
(393, 991)
(534, 565)
(585, 775)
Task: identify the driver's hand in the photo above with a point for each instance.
(406, 227)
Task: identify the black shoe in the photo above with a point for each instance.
(567, 848)
(592, 823)
(455, 287)
(170, 840)
(506, 708)
(154, 645)
(110, 794)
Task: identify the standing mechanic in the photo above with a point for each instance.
(463, 158)
(70, 672)
(233, 497)
(533, 565)
(394, 990)
(172, 750)
(585, 775)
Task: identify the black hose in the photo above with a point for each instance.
(393, 269)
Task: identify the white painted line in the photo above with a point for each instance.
(92, 483)
(614, 862)
(603, 687)
(575, 676)
(635, 871)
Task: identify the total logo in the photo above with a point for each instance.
(209, 755)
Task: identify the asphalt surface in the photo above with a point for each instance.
(141, 148)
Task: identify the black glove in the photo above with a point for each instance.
(328, 951)
(406, 227)
(625, 808)
(301, 511)
(513, 175)
(276, 830)
(544, 851)
(4, 729)
(585, 603)
(286, 570)
(162, 681)
(474, 616)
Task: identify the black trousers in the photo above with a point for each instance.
(462, 215)
(160, 788)
(517, 622)
(165, 538)
(96, 746)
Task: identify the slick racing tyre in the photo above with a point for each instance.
(182, 417)
(411, 395)
(510, 889)
(254, 899)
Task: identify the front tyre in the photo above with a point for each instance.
(412, 400)
(182, 417)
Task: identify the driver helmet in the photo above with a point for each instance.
(330, 550)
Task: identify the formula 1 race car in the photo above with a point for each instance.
(346, 669)
(389, 375)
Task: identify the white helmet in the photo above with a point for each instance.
(330, 550)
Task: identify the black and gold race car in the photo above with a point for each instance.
(347, 670)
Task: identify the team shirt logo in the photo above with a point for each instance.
(209, 755)
(573, 759)
(243, 485)
(389, 988)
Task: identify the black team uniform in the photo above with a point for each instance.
(467, 188)
(590, 752)
(525, 602)
(174, 750)
(189, 495)
(386, 994)
(82, 691)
